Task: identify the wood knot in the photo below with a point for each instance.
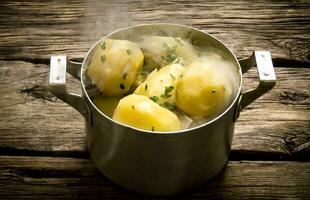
(38, 92)
(293, 96)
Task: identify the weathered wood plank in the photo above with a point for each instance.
(70, 178)
(33, 30)
(31, 119)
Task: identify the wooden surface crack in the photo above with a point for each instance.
(39, 91)
(289, 95)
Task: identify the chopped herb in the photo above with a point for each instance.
(103, 58)
(124, 75)
(168, 49)
(181, 76)
(128, 51)
(179, 41)
(167, 91)
(165, 46)
(154, 98)
(213, 91)
(122, 86)
(177, 60)
(145, 71)
(153, 128)
(161, 33)
(169, 106)
(165, 95)
(170, 58)
(172, 77)
(224, 89)
(103, 45)
(145, 87)
(133, 107)
(172, 49)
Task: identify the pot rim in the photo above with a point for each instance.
(158, 132)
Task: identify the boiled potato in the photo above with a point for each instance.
(160, 51)
(114, 66)
(203, 91)
(160, 85)
(141, 112)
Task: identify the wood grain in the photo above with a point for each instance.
(276, 126)
(42, 140)
(71, 178)
(34, 30)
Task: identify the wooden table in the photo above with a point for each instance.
(42, 140)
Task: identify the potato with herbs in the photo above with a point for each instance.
(160, 86)
(160, 51)
(203, 90)
(114, 66)
(141, 112)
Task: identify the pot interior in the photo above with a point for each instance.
(197, 38)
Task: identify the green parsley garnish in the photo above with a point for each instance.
(103, 45)
(153, 128)
(161, 33)
(170, 53)
(169, 106)
(167, 91)
(172, 77)
(133, 107)
(145, 87)
(213, 91)
(178, 41)
(168, 49)
(170, 58)
(165, 46)
(128, 51)
(122, 86)
(124, 75)
(103, 58)
(154, 98)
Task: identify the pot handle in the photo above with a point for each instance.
(267, 77)
(59, 65)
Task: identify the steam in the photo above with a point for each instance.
(104, 18)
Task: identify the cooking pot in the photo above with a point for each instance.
(157, 163)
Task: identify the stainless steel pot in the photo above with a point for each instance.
(157, 163)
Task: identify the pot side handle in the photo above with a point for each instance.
(267, 76)
(57, 82)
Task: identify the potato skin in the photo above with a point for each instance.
(201, 91)
(158, 81)
(114, 66)
(141, 112)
